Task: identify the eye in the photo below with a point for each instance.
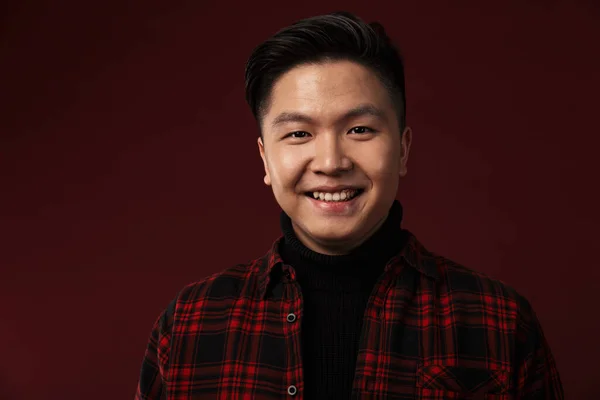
(361, 130)
(298, 134)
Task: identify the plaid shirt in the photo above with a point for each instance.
(432, 330)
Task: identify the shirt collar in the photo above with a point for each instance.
(413, 255)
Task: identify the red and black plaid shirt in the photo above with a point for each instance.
(432, 330)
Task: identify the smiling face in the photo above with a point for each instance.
(333, 153)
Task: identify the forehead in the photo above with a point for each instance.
(327, 90)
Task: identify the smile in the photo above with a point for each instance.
(341, 196)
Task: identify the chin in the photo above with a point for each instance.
(335, 232)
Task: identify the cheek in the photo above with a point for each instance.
(286, 167)
(381, 163)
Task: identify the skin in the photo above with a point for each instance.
(324, 148)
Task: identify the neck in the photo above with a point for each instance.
(384, 241)
(335, 248)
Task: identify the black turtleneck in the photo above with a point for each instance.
(335, 291)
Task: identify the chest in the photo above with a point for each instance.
(412, 346)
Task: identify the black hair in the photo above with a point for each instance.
(331, 37)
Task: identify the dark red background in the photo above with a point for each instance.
(129, 164)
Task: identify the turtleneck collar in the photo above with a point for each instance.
(386, 242)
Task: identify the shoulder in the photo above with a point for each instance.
(461, 282)
(456, 281)
(231, 282)
(223, 287)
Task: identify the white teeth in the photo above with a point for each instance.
(346, 194)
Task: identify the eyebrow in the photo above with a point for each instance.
(358, 111)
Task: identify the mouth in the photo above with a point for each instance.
(335, 197)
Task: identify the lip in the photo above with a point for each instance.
(336, 208)
(333, 189)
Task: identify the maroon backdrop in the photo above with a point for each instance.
(129, 165)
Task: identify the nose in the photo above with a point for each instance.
(330, 157)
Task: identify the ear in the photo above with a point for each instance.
(261, 150)
(405, 142)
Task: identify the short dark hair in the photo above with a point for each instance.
(331, 37)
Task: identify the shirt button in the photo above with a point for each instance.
(291, 317)
(292, 390)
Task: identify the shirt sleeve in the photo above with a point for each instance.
(537, 375)
(151, 384)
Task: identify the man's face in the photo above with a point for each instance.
(333, 153)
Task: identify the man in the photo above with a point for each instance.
(346, 304)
